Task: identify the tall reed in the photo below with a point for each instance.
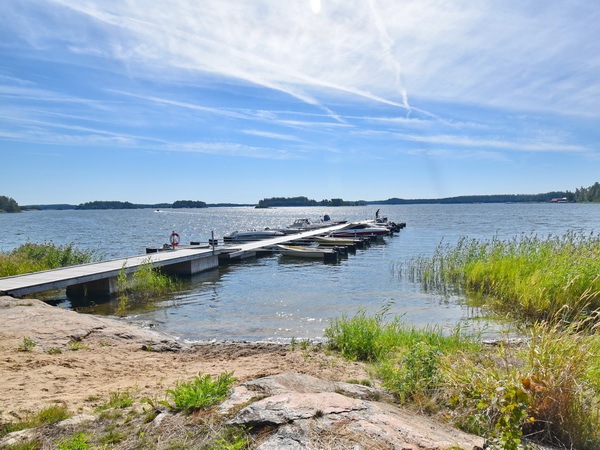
(531, 277)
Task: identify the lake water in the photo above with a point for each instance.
(273, 298)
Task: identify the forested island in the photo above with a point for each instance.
(128, 205)
(304, 201)
(8, 205)
(581, 195)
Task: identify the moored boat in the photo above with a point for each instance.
(326, 254)
(334, 240)
(360, 229)
(252, 235)
(306, 224)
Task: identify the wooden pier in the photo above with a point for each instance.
(101, 278)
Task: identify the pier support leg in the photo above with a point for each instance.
(97, 288)
(189, 268)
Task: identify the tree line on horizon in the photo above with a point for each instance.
(128, 205)
(590, 194)
(304, 201)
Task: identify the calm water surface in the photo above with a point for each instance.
(274, 298)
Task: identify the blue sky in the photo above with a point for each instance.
(237, 100)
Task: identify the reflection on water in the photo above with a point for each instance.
(277, 298)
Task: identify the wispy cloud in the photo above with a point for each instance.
(284, 137)
(517, 145)
(186, 105)
(231, 149)
(479, 155)
(380, 51)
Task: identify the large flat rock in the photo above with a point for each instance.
(53, 327)
(311, 413)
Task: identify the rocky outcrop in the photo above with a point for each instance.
(305, 412)
(52, 327)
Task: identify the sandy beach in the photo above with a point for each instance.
(79, 360)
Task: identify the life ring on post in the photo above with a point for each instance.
(174, 239)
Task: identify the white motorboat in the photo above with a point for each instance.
(251, 235)
(306, 224)
(360, 229)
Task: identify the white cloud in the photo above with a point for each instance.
(285, 137)
(518, 145)
(479, 155)
(231, 149)
(509, 54)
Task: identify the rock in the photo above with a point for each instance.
(286, 408)
(53, 327)
(79, 419)
(311, 413)
(293, 382)
(17, 437)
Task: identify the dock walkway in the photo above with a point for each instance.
(101, 277)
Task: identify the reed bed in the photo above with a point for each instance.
(32, 257)
(529, 277)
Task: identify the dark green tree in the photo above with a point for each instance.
(8, 204)
(106, 205)
(189, 204)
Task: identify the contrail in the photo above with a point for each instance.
(386, 44)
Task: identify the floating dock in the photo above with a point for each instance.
(97, 279)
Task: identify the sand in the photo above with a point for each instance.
(79, 360)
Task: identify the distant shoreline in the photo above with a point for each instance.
(549, 197)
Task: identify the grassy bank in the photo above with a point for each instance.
(32, 257)
(530, 278)
(546, 388)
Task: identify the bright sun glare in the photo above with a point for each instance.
(315, 5)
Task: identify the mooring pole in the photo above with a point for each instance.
(212, 240)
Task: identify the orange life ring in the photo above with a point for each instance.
(174, 239)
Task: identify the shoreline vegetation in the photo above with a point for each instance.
(543, 388)
(581, 195)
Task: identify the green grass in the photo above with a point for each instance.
(530, 278)
(78, 441)
(373, 338)
(27, 345)
(45, 416)
(32, 257)
(119, 400)
(547, 389)
(202, 392)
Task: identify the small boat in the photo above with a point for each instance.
(360, 229)
(306, 224)
(326, 254)
(251, 235)
(334, 240)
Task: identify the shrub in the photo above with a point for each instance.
(202, 392)
(78, 441)
(32, 257)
